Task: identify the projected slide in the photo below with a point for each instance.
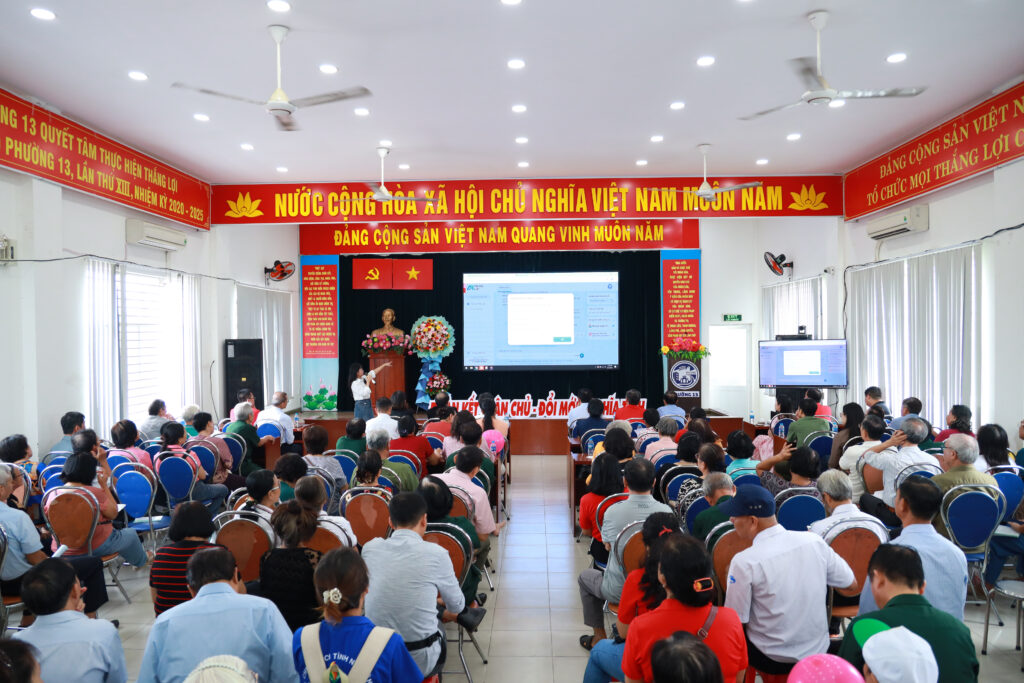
(803, 363)
(522, 321)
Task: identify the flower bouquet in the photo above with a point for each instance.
(432, 337)
(375, 343)
(686, 349)
(438, 382)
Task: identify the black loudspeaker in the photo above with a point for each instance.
(243, 368)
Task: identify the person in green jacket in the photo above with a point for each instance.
(379, 441)
(439, 508)
(255, 459)
(355, 437)
(806, 423)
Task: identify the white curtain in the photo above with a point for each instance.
(191, 303)
(788, 305)
(104, 345)
(912, 326)
(267, 314)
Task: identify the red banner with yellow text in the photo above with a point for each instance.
(983, 137)
(319, 311)
(49, 146)
(680, 295)
(526, 199)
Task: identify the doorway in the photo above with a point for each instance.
(729, 369)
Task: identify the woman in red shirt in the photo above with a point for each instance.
(430, 461)
(957, 421)
(685, 572)
(605, 479)
(641, 593)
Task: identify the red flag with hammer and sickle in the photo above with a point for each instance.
(371, 273)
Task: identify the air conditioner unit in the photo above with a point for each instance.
(149, 235)
(912, 219)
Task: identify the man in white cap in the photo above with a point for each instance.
(898, 655)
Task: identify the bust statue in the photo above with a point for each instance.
(388, 318)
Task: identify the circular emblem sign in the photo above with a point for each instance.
(684, 374)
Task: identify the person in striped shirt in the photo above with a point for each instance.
(190, 530)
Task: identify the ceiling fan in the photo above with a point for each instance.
(380, 192)
(818, 89)
(278, 105)
(705, 191)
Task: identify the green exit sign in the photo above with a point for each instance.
(732, 318)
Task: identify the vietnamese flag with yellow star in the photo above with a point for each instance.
(371, 273)
(412, 274)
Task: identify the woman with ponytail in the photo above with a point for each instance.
(957, 421)
(286, 573)
(489, 421)
(346, 640)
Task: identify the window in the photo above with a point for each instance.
(267, 314)
(787, 306)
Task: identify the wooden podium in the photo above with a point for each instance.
(391, 379)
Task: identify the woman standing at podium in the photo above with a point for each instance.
(360, 382)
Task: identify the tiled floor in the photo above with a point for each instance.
(534, 618)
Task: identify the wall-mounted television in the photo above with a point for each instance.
(803, 363)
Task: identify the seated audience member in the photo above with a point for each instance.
(667, 428)
(367, 472)
(310, 493)
(439, 507)
(341, 583)
(190, 530)
(740, 449)
(898, 655)
(700, 427)
(641, 593)
(383, 420)
(885, 457)
(605, 479)
(203, 422)
(255, 458)
(286, 572)
(188, 415)
(158, 417)
(489, 420)
(453, 441)
(289, 469)
(686, 573)
(472, 437)
(124, 434)
(873, 397)
(408, 601)
(173, 437)
(245, 395)
(314, 439)
(806, 423)
(355, 437)
(71, 646)
(837, 495)
(911, 407)
(815, 395)
(264, 489)
(670, 406)
(779, 584)
(650, 426)
(802, 464)
(593, 420)
(620, 426)
(872, 427)
(80, 470)
(632, 410)
(379, 441)
(718, 488)
(849, 428)
(221, 669)
(579, 412)
(22, 665)
(70, 423)
(15, 449)
(897, 582)
(409, 440)
(443, 426)
(993, 448)
(945, 567)
(400, 406)
(687, 449)
(957, 460)
(441, 399)
(219, 619)
(274, 413)
(710, 458)
(468, 462)
(958, 421)
(684, 658)
(783, 406)
(597, 586)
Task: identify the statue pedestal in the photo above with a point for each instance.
(391, 379)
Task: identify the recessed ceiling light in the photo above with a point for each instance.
(278, 5)
(677, 105)
(835, 104)
(138, 76)
(200, 117)
(792, 137)
(522, 140)
(403, 167)
(524, 164)
(384, 143)
(361, 111)
(761, 162)
(511, 2)
(516, 63)
(657, 138)
(247, 146)
(282, 169)
(641, 162)
(706, 60)
(44, 14)
(518, 108)
(896, 57)
(328, 69)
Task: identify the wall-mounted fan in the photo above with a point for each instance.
(777, 264)
(282, 270)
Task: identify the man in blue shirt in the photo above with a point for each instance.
(69, 424)
(595, 408)
(911, 407)
(219, 620)
(669, 407)
(72, 647)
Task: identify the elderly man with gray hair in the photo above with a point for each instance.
(274, 414)
(667, 428)
(718, 488)
(837, 494)
(378, 440)
(892, 457)
(959, 452)
(255, 458)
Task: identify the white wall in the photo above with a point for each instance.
(43, 370)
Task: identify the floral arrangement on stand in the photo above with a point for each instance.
(375, 343)
(438, 382)
(685, 349)
(324, 399)
(433, 338)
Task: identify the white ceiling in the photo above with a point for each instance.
(598, 80)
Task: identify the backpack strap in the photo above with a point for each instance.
(369, 654)
(702, 632)
(312, 654)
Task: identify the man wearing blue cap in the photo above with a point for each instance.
(779, 585)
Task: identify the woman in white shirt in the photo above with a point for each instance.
(360, 382)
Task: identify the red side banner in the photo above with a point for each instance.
(680, 283)
(549, 200)
(371, 273)
(986, 136)
(413, 274)
(439, 237)
(48, 146)
(320, 311)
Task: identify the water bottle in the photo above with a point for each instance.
(752, 417)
